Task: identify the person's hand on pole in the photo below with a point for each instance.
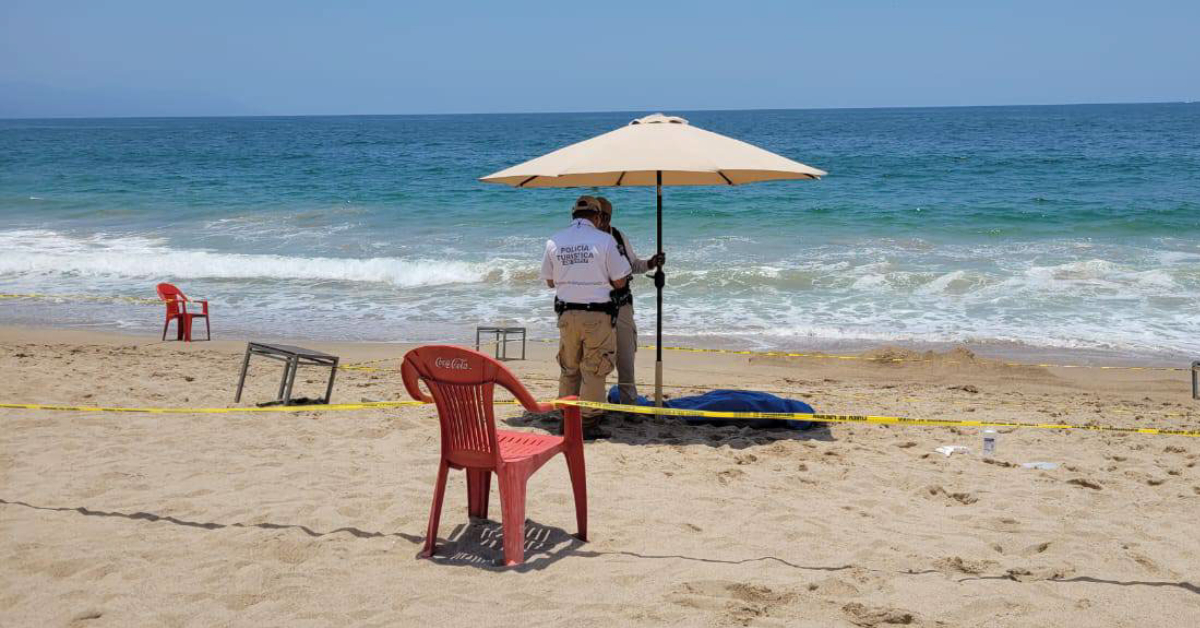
(657, 261)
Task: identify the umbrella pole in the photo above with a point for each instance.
(659, 282)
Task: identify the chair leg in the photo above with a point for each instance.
(435, 513)
(166, 324)
(575, 466)
(479, 487)
(207, 329)
(512, 507)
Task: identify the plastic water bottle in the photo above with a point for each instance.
(989, 443)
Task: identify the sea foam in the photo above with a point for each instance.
(47, 253)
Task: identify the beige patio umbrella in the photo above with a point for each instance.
(655, 150)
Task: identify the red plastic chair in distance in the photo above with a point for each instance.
(462, 382)
(177, 302)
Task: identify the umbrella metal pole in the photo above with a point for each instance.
(659, 281)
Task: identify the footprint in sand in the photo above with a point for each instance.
(724, 477)
(936, 492)
(86, 616)
(833, 586)
(745, 458)
(1146, 563)
(869, 616)
(740, 601)
(958, 564)
(1036, 548)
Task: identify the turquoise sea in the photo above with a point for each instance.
(1050, 229)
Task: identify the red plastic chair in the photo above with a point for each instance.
(177, 302)
(462, 382)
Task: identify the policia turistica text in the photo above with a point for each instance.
(627, 334)
(583, 266)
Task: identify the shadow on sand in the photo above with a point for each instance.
(480, 544)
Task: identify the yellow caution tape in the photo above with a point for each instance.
(304, 408)
(857, 418)
(317, 407)
(778, 416)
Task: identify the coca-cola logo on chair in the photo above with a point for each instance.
(454, 364)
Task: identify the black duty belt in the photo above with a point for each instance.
(607, 307)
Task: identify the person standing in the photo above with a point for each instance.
(627, 334)
(583, 266)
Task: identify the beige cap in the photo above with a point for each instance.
(586, 203)
(605, 206)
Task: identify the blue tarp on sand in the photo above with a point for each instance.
(733, 401)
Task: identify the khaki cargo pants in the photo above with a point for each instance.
(587, 347)
(627, 338)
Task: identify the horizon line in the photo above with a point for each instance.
(585, 112)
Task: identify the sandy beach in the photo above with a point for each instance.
(315, 519)
(962, 238)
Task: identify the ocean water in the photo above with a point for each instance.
(1026, 229)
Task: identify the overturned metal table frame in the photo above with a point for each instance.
(501, 339)
(292, 358)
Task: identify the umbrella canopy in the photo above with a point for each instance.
(635, 154)
(655, 150)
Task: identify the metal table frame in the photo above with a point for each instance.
(501, 334)
(292, 358)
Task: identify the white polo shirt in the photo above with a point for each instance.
(583, 261)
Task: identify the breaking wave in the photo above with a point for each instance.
(1047, 294)
(33, 253)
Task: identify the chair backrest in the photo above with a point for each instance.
(173, 297)
(462, 383)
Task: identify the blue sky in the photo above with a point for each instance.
(366, 57)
